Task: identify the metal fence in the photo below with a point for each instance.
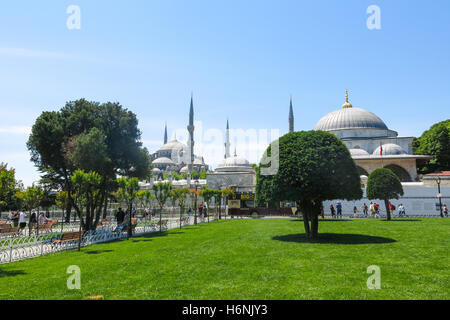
(21, 246)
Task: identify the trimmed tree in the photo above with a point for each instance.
(127, 192)
(384, 184)
(311, 167)
(162, 193)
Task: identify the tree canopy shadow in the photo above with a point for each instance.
(12, 273)
(149, 236)
(320, 220)
(401, 220)
(335, 238)
(97, 251)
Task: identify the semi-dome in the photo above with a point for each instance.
(350, 118)
(389, 149)
(162, 160)
(358, 152)
(156, 170)
(184, 169)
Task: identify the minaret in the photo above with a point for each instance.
(165, 134)
(227, 141)
(291, 117)
(191, 128)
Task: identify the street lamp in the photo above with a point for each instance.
(439, 195)
(196, 183)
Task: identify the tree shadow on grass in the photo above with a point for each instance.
(320, 220)
(149, 236)
(12, 273)
(401, 220)
(335, 238)
(98, 251)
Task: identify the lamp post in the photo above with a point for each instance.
(439, 195)
(196, 207)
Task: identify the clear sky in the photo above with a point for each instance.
(241, 59)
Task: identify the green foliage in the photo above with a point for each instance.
(88, 136)
(179, 195)
(313, 166)
(62, 200)
(128, 189)
(31, 197)
(208, 195)
(195, 174)
(435, 142)
(383, 184)
(87, 197)
(202, 174)
(145, 197)
(9, 188)
(161, 191)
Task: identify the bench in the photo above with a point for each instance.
(7, 231)
(185, 220)
(69, 237)
(162, 223)
(2, 222)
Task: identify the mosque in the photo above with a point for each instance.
(175, 156)
(371, 143)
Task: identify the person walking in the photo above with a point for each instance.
(333, 211)
(355, 212)
(445, 210)
(120, 216)
(365, 209)
(377, 210)
(339, 210)
(189, 212)
(22, 221)
(372, 209)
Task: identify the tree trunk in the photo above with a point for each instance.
(314, 225)
(388, 212)
(69, 210)
(306, 223)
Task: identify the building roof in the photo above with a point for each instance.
(350, 118)
(162, 160)
(438, 174)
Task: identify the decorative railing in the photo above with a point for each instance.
(19, 247)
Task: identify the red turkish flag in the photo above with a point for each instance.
(381, 149)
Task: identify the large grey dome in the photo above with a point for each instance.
(350, 118)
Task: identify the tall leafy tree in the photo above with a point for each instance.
(161, 192)
(91, 137)
(313, 166)
(87, 195)
(31, 198)
(127, 192)
(9, 187)
(384, 184)
(435, 142)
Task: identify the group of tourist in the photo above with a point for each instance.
(374, 209)
(20, 218)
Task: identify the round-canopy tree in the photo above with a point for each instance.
(384, 184)
(93, 137)
(312, 166)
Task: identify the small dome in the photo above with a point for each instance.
(235, 161)
(389, 149)
(156, 170)
(162, 160)
(173, 145)
(358, 152)
(184, 169)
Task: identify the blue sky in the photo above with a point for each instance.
(241, 59)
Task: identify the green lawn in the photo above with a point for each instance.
(250, 259)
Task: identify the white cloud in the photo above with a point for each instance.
(21, 130)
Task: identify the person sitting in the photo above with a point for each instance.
(43, 219)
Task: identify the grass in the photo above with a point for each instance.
(249, 259)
